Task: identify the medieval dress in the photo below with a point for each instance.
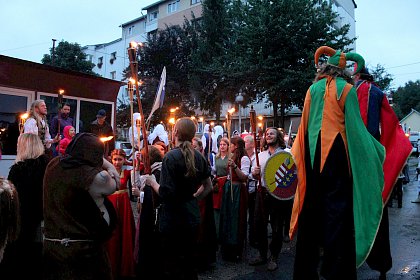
(121, 245)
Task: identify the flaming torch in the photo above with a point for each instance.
(132, 54)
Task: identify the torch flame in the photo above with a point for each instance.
(61, 91)
(134, 44)
(106, 139)
(24, 116)
(231, 111)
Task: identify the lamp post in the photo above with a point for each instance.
(239, 99)
(202, 125)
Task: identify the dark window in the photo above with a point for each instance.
(88, 111)
(11, 107)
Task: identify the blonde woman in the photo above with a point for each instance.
(27, 176)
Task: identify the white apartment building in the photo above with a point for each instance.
(111, 59)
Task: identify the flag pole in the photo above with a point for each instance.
(158, 97)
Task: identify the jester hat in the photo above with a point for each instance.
(339, 58)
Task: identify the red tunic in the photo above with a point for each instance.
(121, 245)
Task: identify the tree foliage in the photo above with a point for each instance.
(170, 47)
(69, 56)
(262, 48)
(406, 98)
(382, 78)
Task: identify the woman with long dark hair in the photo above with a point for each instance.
(183, 170)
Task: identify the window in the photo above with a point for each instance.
(113, 57)
(153, 16)
(51, 102)
(100, 62)
(88, 110)
(173, 6)
(11, 107)
(113, 75)
(131, 30)
(89, 57)
(195, 2)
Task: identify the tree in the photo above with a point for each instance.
(69, 56)
(170, 47)
(277, 40)
(382, 78)
(406, 98)
(207, 81)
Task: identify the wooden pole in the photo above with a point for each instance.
(253, 120)
(132, 54)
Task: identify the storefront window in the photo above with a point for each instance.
(11, 107)
(88, 111)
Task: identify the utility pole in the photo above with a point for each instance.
(53, 52)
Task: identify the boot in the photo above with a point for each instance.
(272, 264)
(417, 200)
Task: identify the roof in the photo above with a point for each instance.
(409, 114)
(132, 21)
(154, 4)
(27, 75)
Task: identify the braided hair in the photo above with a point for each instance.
(186, 129)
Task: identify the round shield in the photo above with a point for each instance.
(279, 176)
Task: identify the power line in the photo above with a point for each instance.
(402, 74)
(23, 47)
(403, 65)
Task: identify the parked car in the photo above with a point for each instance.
(126, 146)
(414, 138)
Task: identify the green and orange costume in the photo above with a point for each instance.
(331, 122)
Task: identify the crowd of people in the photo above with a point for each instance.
(71, 215)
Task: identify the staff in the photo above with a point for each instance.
(132, 54)
(253, 120)
(228, 123)
(130, 92)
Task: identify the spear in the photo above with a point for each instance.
(132, 55)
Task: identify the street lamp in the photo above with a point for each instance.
(239, 99)
(202, 124)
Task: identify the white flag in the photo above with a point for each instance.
(160, 94)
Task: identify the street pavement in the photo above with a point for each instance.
(404, 238)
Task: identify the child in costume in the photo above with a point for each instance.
(68, 133)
